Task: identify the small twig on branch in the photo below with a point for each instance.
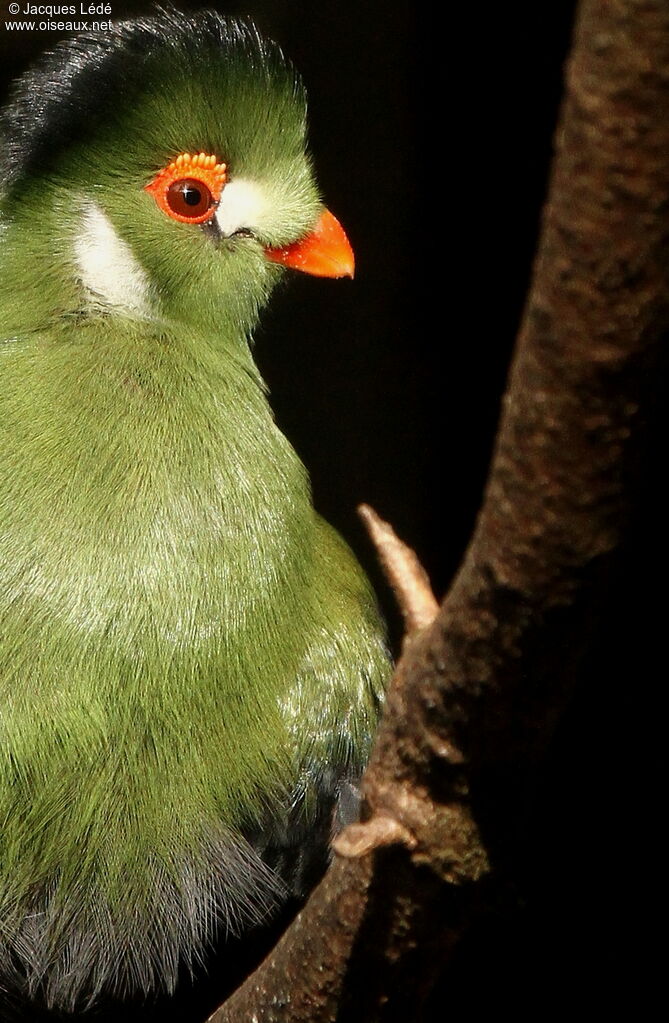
(360, 839)
(404, 572)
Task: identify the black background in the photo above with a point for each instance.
(432, 146)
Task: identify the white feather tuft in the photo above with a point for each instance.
(243, 205)
(109, 270)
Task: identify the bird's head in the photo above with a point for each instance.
(159, 171)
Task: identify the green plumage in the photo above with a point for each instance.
(190, 659)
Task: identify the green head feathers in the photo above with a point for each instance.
(101, 116)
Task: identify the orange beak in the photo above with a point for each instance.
(326, 252)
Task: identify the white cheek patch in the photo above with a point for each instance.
(243, 205)
(109, 271)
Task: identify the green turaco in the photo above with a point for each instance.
(191, 660)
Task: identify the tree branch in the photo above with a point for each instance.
(476, 695)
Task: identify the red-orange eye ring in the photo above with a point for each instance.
(189, 188)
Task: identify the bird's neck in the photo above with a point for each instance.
(145, 463)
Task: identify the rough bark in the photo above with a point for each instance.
(477, 693)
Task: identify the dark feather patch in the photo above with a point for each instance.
(72, 87)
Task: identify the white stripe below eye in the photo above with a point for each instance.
(243, 205)
(109, 270)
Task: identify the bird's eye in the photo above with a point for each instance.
(189, 188)
(189, 199)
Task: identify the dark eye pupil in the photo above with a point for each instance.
(189, 199)
(192, 196)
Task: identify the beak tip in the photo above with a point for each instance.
(342, 264)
